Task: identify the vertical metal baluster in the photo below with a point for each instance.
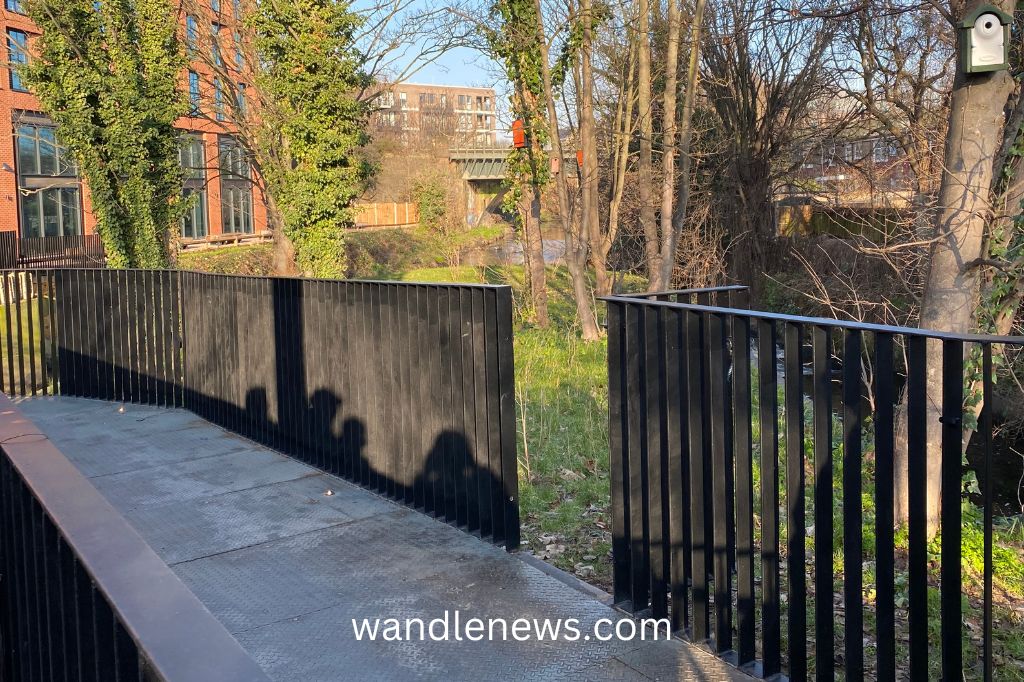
(676, 451)
(695, 358)
(767, 384)
(824, 625)
(718, 386)
(618, 459)
(986, 434)
(744, 488)
(853, 541)
(653, 382)
(637, 454)
(795, 514)
(917, 444)
(951, 484)
(507, 406)
(885, 571)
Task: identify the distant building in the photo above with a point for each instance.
(448, 114)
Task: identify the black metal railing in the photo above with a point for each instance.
(712, 530)
(84, 597)
(403, 388)
(72, 251)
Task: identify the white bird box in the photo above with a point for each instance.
(985, 40)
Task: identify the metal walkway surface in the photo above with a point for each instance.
(286, 567)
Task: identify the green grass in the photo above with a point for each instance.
(393, 254)
(245, 259)
(23, 335)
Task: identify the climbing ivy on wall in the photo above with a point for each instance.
(107, 74)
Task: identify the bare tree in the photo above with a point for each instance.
(576, 239)
(645, 176)
(617, 131)
(656, 255)
(761, 70)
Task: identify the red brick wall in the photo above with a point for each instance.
(11, 101)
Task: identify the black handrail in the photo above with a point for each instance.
(830, 322)
(676, 292)
(686, 513)
(84, 596)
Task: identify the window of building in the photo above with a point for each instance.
(241, 99)
(194, 93)
(402, 99)
(48, 186)
(386, 100)
(879, 151)
(215, 44)
(51, 212)
(40, 154)
(191, 32)
(193, 162)
(17, 48)
(236, 8)
(14, 6)
(218, 99)
(235, 188)
(894, 148)
(239, 59)
(215, 6)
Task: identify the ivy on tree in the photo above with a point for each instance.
(107, 74)
(313, 126)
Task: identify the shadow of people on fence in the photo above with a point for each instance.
(287, 395)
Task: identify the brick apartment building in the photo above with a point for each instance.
(41, 193)
(461, 115)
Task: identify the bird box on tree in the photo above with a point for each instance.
(985, 40)
(518, 134)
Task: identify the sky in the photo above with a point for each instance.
(461, 66)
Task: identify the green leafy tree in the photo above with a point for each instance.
(312, 125)
(107, 74)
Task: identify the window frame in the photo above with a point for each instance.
(194, 184)
(235, 175)
(23, 57)
(195, 93)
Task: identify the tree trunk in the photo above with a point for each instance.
(670, 238)
(658, 279)
(644, 171)
(284, 251)
(533, 255)
(575, 239)
(623, 131)
(976, 119)
(588, 139)
(751, 221)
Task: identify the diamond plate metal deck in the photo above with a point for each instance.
(286, 568)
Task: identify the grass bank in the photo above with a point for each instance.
(246, 259)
